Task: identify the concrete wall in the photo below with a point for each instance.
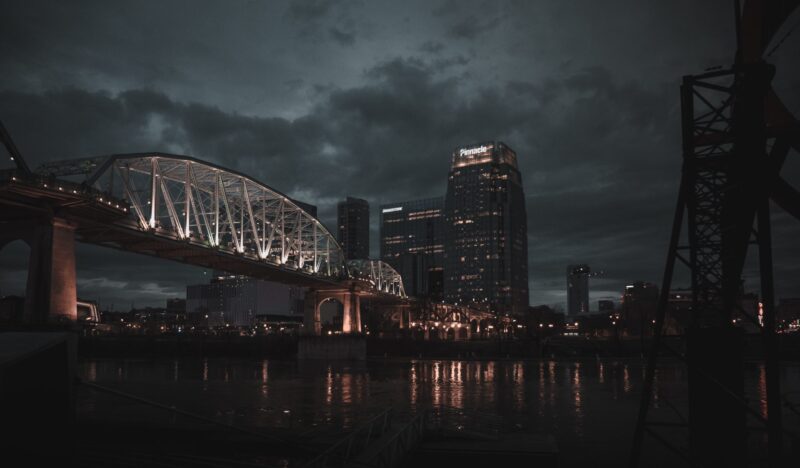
(344, 347)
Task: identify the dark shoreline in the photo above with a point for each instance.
(285, 347)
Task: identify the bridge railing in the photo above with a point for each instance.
(64, 187)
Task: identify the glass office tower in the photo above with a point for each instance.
(353, 227)
(486, 249)
(412, 242)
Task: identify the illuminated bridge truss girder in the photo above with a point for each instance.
(185, 199)
(379, 274)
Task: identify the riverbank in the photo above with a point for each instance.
(285, 347)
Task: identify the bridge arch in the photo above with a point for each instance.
(186, 199)
(351, 310)
(14, 253)
(330, 302)
(50, 288)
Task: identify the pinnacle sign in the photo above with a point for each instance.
(473, 151)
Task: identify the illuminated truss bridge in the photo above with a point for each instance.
(195, 212)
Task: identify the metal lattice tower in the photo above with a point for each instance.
(736, 137)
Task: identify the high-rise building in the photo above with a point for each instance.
(577, 290)
(412, 242)
(307, 207)
(604, 305)
(353, 222)
(486, 248)
(235, 300)
(639, 306)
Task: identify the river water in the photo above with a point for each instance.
(588, 406)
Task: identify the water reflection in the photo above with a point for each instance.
(762, 390)
(626, 379)
(91, 371)
(264, 375)
(601, 372)
(576, 396)
(578, 402)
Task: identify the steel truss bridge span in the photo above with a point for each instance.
(195, 212)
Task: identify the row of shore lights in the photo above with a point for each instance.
(438, 325)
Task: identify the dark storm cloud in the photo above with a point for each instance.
(375, 112)
(310, 10)
(342, 37)
(320, 21)
(431, 47)
(473, 26)
(390, 140)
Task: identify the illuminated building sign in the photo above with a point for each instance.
(392, 210)
(470, 156)
(473, 151)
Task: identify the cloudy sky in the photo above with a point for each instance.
(367, 98)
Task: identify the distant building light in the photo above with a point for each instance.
(392, 210)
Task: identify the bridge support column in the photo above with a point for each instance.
(357, 313)
(51, 292)
(405, 316)
(311, 319)
(351, 318)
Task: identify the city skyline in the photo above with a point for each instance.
(436, 75)
(400, 234)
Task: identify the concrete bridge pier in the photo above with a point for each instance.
(51, 291)
(351, 320)
(351, 305)
(350, 345)
(311, 320)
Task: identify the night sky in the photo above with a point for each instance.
(368, 99)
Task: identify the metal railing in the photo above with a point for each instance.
(346, 449)
(405, 440)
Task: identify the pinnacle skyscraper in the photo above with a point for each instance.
(486, 249)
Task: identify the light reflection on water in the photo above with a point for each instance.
(582, 403)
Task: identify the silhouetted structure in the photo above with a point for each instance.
(486, 253)
(353, 225)
(639, 305)
(605, 306)
(577, 290)
(307, 207)
(736, 136)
